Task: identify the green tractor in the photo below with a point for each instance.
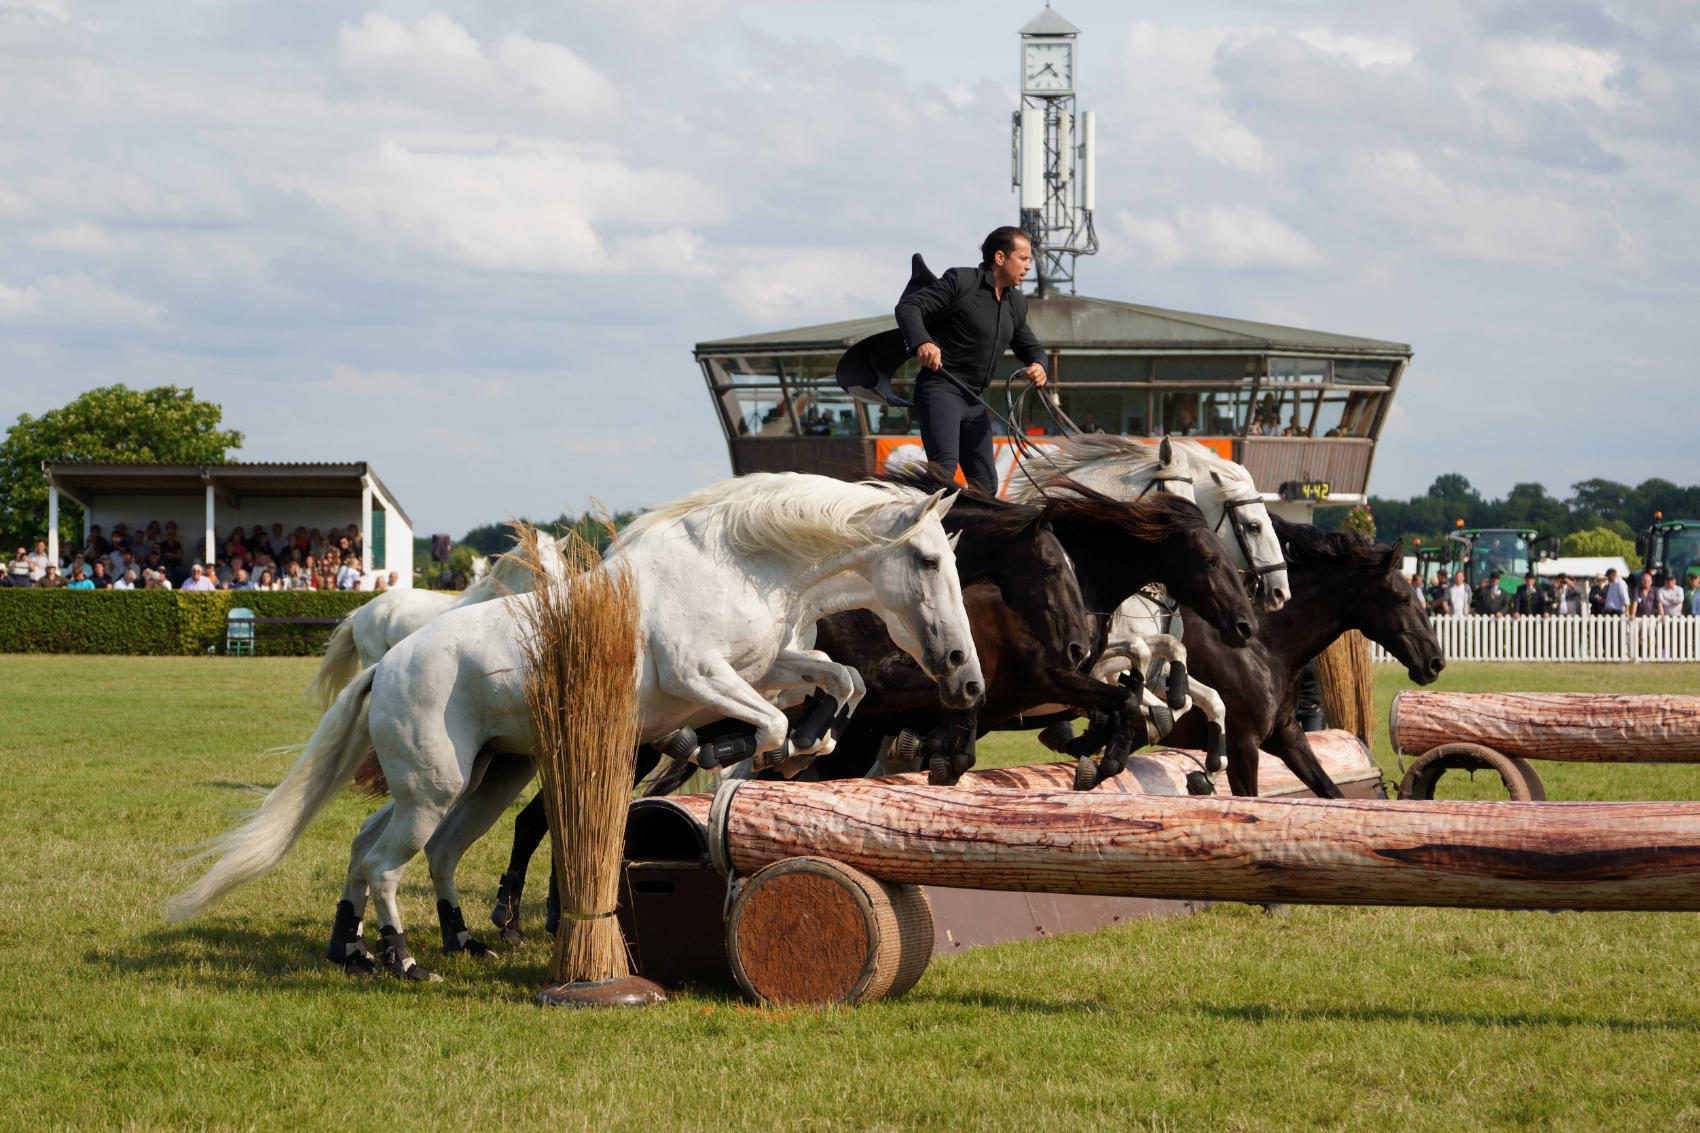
(1479, 551)
(1670, 546)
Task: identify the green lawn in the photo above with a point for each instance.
(1230, 1019)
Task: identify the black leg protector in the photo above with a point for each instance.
(348, 942)
(392, 950)
(951, 745)
(1177, 685)
(1215, 747)
(552, 908)
(456, 938)
(1058, 736)
(1198, 783)
(505, 915)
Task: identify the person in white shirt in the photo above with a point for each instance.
(1670, 598)
(198, 579)
(38, 561)
(1617, 594)
(348, 576)
(126, 582)
(1458, 595)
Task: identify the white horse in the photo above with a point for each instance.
(722, 577)
(371, 631)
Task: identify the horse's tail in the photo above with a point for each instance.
(337, 745)
(341, 664)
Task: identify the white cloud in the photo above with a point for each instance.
(1173, 91)
(1543, 69)
(36, 11)
(776, 286)
(74, 299)
(1363, 50)
(82, 239)
(521, 205)
(438, 61)
(1230, 237)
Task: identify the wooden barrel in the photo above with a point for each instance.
(1581, 727)
(810, 930)
(1302, 851)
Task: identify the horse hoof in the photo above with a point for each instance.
(513, 937)
(1198, 783)
(505, 914)
(1085, 773)
(1058, 736)
(941, 772)
(359, 966)
(906, 748)
(1162, 721)
(392, 949)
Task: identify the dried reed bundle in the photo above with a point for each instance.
(582, 643)
(1348, 689)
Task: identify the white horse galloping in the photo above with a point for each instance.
(722, 578)
(371, 631)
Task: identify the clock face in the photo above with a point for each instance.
(1047, 66)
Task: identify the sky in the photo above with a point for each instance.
(475, 244)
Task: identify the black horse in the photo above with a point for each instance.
(1341, 581)
(1013, 573)
(1117, 547)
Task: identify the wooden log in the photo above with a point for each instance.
(813, 930)
(1580, 727)
(1303, 851)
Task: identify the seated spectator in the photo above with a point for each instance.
(294, 578)
(171, 553)
(1670, 598)
(317, 544)
(277, 543)
(117, 557)
(348, 574)
(101, 580)
(236, 554)
(52, 580)
(38, 561)
(388, 581)
(127, 582)
(266, 581)
(300, 540)
(355, 542)
(150, 537)
(18, 570)
(198, 579)
(95, 545)
(155, 579)
(241, 581)
(79, 581)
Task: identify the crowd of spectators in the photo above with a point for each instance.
(153, 558)
(1644, 595)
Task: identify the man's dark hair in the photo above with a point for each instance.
(1001, 240)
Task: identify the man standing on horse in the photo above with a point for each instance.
(961, 325)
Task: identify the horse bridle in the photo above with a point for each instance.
(1231, 516)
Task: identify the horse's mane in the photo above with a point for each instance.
(1304, 545)
(993, 516)
(1065, 456)
(1206, 459)
(1150, 519)
(791, 514)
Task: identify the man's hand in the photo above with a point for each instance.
(930, 358)
(1035, 374)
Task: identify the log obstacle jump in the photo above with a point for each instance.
(1502, 732)
(826, 903)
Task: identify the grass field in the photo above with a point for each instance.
(1230, 1019)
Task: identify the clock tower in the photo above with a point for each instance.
(1054, 166)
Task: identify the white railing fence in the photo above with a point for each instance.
(1482, 637)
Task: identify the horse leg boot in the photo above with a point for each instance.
(496, 781)
(347, 947)
(403, 836)
(531, 826)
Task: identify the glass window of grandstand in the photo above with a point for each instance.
(821, 408)
(743, 370)
(1299, 370)
(1192, 413)
(1342, 414)
(756, 411)
(1204, 370)
(1282, 413)
(1362, 372)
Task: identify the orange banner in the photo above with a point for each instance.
(893, 453)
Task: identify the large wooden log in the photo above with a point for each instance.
(1305, 851)
(1572, 726)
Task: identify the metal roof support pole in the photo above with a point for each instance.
(365, 525)
(52, 521)
(209, 553)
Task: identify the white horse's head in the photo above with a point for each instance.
(1232, 505)
(918, 596)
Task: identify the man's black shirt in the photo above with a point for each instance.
(977, 333)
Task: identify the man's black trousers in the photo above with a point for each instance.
(955, 430)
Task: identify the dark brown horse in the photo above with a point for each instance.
(1340, 581)
(1117, 547)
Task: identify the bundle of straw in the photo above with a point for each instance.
(1348, 689)
(582, 643)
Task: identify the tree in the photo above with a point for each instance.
(164, 425)
(1452, 486)
(1601, 542)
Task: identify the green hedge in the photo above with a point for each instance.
(160, 622)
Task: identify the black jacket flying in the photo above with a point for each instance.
(976, 334)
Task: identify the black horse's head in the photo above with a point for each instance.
(1198, 572)
(1013, 547)
(1378, 601)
